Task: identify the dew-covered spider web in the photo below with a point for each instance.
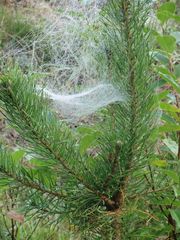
(75, 106)
(68, 52)
(65, 52)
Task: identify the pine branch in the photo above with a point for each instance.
(113, 158)
(50, 138)
(20, 175)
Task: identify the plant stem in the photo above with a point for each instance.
(118, 196)
(117, 229)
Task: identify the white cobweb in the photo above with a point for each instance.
(64, 51)
(75, 106)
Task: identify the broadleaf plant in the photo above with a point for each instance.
(165, 169)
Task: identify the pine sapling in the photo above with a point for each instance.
(95, 195)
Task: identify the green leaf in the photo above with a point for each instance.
(176, 35)
(85, 130)
(86, 142)
(159, 163)
(172, 174)
(162, 95)
(17, 156)
(172, 145)
(166, 11)
(169, 78)
(88, 136)
(160, 57)
(175, 213)
(173, 83)
(169, 128)
(164, 16)
(167, 118)
(165, 71)
(168, 6)
(176, 18)
(167, 43)
(169, 108)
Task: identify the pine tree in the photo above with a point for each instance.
(94, 195)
